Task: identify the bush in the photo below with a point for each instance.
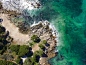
(28, 61)
(1, 46)
(41, 46)
(15, 48)
(35, 59)
(3, 62)
(18, 61)
(35, 38)
(3, 50)
(24, 50)
(31, 44)
(40, 52)
(2, 39)
(2, 29)
(44, 41)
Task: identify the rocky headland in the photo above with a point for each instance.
(22, 35)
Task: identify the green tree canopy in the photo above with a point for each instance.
(15, 48)
(41, 46)
(44, 41)
(28, 61)
(18, 61)
(35, 38)
(1, 46)
(2, 29)
(35, 59)
(3, 62)
(24, 50)
(40, 52)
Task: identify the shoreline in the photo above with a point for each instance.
(21, 5)
(51, 52)
(55, 34)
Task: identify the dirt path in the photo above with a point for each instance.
(13, 30)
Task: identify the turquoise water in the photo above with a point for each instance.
(69, 18)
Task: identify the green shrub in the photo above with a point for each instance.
(44, 41)
(41, 46)
(40, 52)
(1, 46)
(28, 61)
(35, 38)
(18, 61)
(2, 29)
(34, 59)
(3, 50)
(15, 48)
(3, 62)
(24, 50)
(31, 44)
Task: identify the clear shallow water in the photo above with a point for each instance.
(69, 18)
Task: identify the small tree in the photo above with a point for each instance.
(15, 48)
(31, 44)
(24, 50)
(44, 41)
(35, 57)
(35, 38)
(40, 52)
(28, 61)
(41, 46)
(18, 61)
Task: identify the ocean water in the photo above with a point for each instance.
(69, 18)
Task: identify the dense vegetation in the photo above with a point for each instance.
(20, 50)
(40, 52)
(32, 60)
(35, 38)
(2, 39)
(15, 48)
(41, 46)
(44, 41)
(18, 61)
(3, 62)
(35, 59)
(24, 50)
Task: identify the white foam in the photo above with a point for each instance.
(19, 5)
(51, 26)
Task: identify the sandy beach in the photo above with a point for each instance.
(13, 30)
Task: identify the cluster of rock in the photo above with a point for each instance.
(43, 31)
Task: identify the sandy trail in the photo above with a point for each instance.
(13, 30)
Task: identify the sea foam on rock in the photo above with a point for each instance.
(20, 5)
(51, 26)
